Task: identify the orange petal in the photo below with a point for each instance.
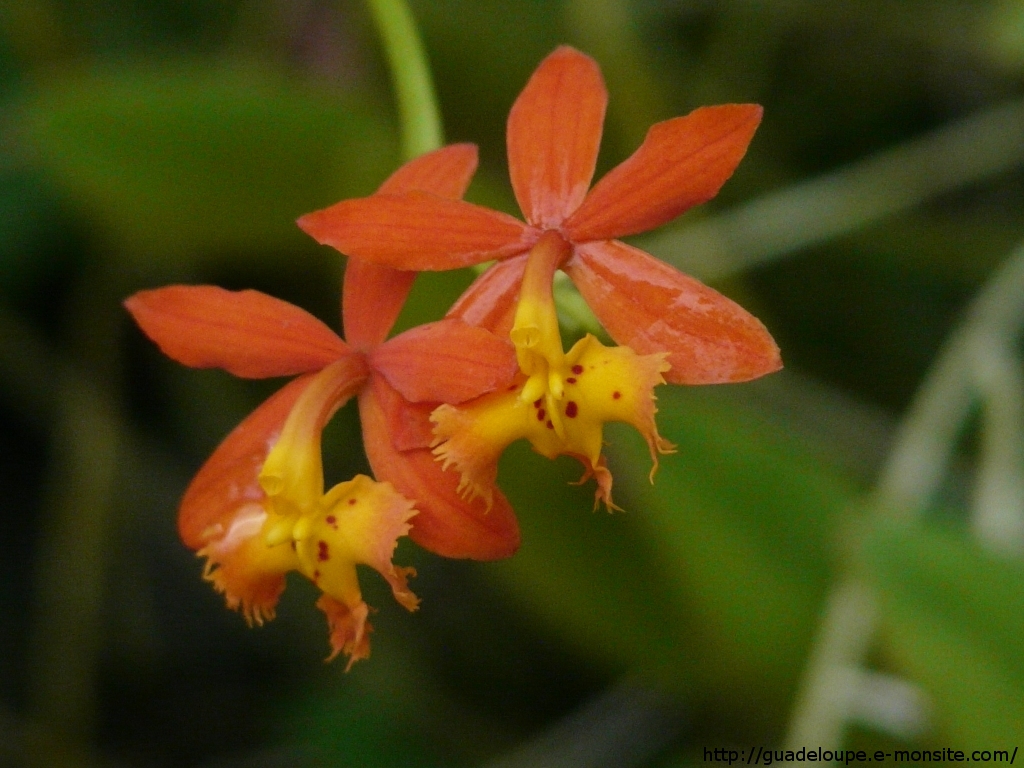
(448, 361)
(372, 298)
(490, 302)
(228, 479)
(374, 295)
(447, 524)
(445, 172)
(247, 333)
(418, 231)
(554, 132)
(649, 306)
(682, 163)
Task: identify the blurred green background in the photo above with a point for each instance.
(144, 142)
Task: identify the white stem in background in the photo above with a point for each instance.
(801, 215)
(998, 503)
(924, 443)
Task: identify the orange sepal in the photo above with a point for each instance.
(445, 172)
(418, 231)
(683, 162)
(228, 479)
(447, 524)
(554, 133)
(349, 629)
(247, 333)
(448, 361)
(649, 306)
(490, 301)
(374, 295)
(372, 298)
(408, 423)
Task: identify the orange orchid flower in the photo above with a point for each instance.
(257, 509)
(671, 327)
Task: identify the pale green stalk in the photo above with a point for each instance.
(924, 444)
(846, 200)
(998, 498)
(418, 112)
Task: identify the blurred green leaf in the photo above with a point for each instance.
(590, 575)
(344, 725)
(744, 515)
(713, 575)
(29, 230)
(186, 156)
(954, 616)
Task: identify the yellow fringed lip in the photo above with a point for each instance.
(600, 384)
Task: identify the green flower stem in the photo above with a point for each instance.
(924, 443)
(417, 103)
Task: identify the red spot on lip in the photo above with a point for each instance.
(511, 387)
(540, 415)
(332, 521)
(577, 369)
(322, 552)
(537, 402)
(571, 380)
(351, 501)
(316, 575)
(616, 395)
(571, 409)
(550, 425)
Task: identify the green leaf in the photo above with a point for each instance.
(345, 724)
(954, 616)
(590, 576)
(193, 156)
(715, 574)
(30, 231)
(745, 515)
